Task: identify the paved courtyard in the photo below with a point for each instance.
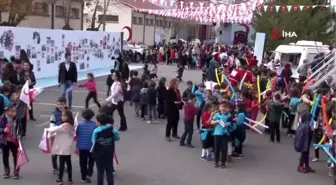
(147, 159)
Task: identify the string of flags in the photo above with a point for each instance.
(235, 13)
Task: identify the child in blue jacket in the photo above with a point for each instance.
(222, 121)
(239, 132)
(84, 133)
(103, 139)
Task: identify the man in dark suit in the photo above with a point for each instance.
(67, 77)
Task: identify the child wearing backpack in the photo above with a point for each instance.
(302, 141)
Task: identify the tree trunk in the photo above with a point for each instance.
(52, 15)
(93, 20)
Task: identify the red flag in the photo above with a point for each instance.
(33, 93)
(116, 158)
(21, 158)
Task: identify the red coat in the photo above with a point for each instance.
(237, 75)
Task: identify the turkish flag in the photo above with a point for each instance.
(21, 158)
(24, 96)
(75, 126)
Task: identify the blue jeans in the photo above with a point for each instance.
(105, 164)
(64, 87)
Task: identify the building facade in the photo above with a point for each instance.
(146, 29)
(49, 15)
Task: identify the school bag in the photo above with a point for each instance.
(301, 137)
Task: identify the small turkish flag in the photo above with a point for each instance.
(21, 158)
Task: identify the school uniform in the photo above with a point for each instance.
(221, 137)
(275, 109)
(239, 134)
(206, 131)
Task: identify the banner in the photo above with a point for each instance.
(46, 48)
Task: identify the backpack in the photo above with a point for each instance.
(301, 137)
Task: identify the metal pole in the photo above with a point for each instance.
(334, 155)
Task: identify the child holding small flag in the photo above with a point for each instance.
(8, 139)
(62, 145)
(56, 120)
(21, 108)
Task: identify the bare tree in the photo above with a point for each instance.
(67, 15)
(98, 8)
(17, 10)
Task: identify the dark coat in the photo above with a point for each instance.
(65, 75)
(24, 78)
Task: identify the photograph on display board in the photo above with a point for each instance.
(46, 48)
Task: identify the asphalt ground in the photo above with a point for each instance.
(147, 159)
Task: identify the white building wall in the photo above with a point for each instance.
(44, 21)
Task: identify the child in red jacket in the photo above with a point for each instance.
(206, 132)
(90, 84)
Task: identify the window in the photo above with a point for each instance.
(134, 20)
(151, 21)
(41, 8)
(74, 14)
(140, 21)
(109, 18)
(169, 24)
(161, 22)
(165, 23)
(147, 21)
(60, 11)
(157, 22)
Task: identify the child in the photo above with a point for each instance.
(302, 141)
(135, 98)
(143, 99)
(221, 134)
(293, 106)
(84, 144)
(199, 101)
(239, 132)
(109, 82)
(161, 96)
(187, 92)
(190, 110)
(217, 93)
(180, 72)
(153, 72)
(21, 111)
(56, 120)
(8, 139)
(275, 109)
(206, 132)
(62, 144)
(103, 139)
(255, 107)
(90, 84)
(204, 74)
(151, 106)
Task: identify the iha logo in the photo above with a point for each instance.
(279, 34)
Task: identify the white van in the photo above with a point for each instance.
(295, 53)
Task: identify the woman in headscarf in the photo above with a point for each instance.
(211, 76)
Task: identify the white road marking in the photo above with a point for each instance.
(43, 124)
(74, 91)
(53, 104)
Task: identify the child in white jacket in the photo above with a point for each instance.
(63, 144)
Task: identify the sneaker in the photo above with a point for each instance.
(83, 181)
(177, 137)
(216, 165)
(16, 175)
(149, 122)
(168, 139)
(143, 119)
(209, 158)
(190, 146)
(310, 170)
(302, 169)
(70, 182)
(237, 156)
(203, 158)
(223, 166)
(59, 182)
(156, 122)
(315, 160)
(6, 174)
(182, 144)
